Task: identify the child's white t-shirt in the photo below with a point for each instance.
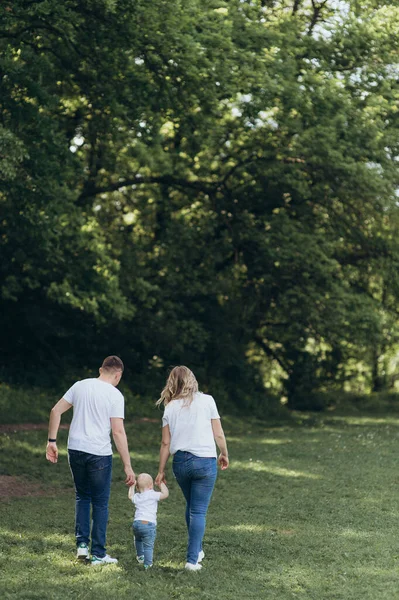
(146, 504)
(94, 402)
(190, 425)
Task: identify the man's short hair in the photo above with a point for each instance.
(112, 363)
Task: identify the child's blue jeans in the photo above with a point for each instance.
(144, 539)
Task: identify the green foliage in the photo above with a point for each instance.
(18, 405)
(191, 182)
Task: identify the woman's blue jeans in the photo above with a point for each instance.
(144, 538)
(196, 476)
(92, 477)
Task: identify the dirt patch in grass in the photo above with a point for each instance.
(17, 487)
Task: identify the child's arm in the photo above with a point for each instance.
(164, 491)
(131, 491)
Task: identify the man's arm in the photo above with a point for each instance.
(220, 439)
(120, 439)
(163, 455)
(54, 424)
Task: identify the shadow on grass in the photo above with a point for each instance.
(302, 512)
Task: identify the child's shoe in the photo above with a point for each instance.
(140, 559)
(147, 567)
(191, 567)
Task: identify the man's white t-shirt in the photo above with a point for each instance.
(146, 504)
(94, 403)
(191, 425)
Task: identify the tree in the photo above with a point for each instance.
(196, 180)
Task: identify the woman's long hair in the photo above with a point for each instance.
(180, 384)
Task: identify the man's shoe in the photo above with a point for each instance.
(191, 567)
(105, 560)
(201, 556)
(82, 551)
(140, 559)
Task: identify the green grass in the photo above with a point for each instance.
(307, 512)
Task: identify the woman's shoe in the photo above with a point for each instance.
(105, 560)
(191, 567)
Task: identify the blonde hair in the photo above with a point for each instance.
(181, 384)
(144, 482)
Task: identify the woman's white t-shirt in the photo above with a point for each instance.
(190, 425)
(94, 402)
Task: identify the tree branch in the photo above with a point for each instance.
(239, 164)
(267, 350)
(296, 6)
(206, 187)
(317, 8)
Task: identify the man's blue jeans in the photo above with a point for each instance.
(196, 476)
(92, 477)
(144, 539)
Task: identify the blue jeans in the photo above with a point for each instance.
(144, 539)
(196, 477)
(92, 477)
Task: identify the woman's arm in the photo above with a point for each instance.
(164, 454)
(220, 439)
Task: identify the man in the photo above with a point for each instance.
(98, 408)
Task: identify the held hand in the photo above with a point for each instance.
(130, 476)
(223, 462)
(52, 452)
(160, 478)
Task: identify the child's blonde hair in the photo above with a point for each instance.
(181, 384)
(144, 481)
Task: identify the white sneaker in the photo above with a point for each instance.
(191, 567)
(201, 556)
(82, 551)
(140, 559)
(105, 560)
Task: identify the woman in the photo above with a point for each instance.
(190, 427)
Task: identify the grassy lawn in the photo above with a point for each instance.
(307, 511)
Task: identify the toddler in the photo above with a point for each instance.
(145, 519)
